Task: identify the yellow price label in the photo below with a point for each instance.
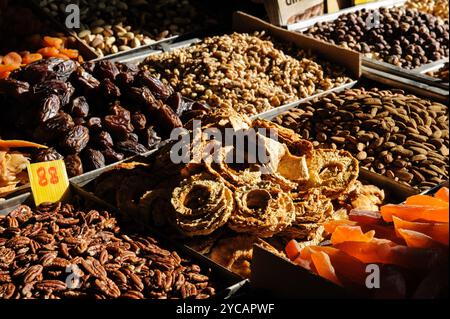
(49, 181)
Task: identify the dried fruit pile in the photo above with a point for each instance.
(412, 238)
(288, 196)
(52, 47)
(404, 37)
(249, 73)
(94, 114)
(57, 251)
(390, 132)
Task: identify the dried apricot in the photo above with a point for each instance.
(8, 67)
(52, 42)
(71, 53)
(48, 52)
(12, 58)
(4, 75)
(32, 57)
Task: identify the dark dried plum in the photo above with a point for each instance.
(88, 66)
(49, 108)
(79, 107)
(131, 147)
(92, 159)
(94, 124)
(13, 87)
(138, 120)
(159, 90)
(109, 89)
(112, 156)
(75, 140)
(64, 69)
(106, 70)
(118, 126)
(74, 166)
(102, 140)
(149, 138)
(64, 90)
(46, 155)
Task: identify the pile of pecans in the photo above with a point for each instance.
(438, 8)
(401, 136)
(404, 37)
(59, 252)
(245, 72)
(114, 26)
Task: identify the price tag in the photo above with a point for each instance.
(49, 181)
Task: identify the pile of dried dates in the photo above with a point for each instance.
(92, 114)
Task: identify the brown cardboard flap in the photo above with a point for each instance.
(243, 22)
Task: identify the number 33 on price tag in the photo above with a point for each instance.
(49, 181)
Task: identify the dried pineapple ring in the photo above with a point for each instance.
(332, 172)
(262, 210)
(201, 206)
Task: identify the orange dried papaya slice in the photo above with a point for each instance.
(425, 200)
(12, 58)
(330, 225)
(442, 194)
(386, 252)
(52, 42)
(8, 67)
(32, 57)
(348, 269)
(48, 52)
(368, 217)
(292, 249)
(323, 266)
(350, 233)
(71, 53)
(416, 239)
(438, 231)
(19, 143)
(61, 56)
(415, 213)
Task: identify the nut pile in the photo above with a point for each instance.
(404, 37)
(59, 252)
(401, 136)
(245, 72)
(113, 26)
(93, 114)
(438, 8)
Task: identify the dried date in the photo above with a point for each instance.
(112, 156)
(149, 138)
(159, 90)
(49, 108)
(118, 126)
(79, 107)
(13, 87)
(74, 165)
(106, 70)
(94, 124)
(138, 120)
(102, 140)
(64, 90)
(109, 89)
(54, 127)
(92, 159)
(75, 140)
(46, 155)
(131, 147)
